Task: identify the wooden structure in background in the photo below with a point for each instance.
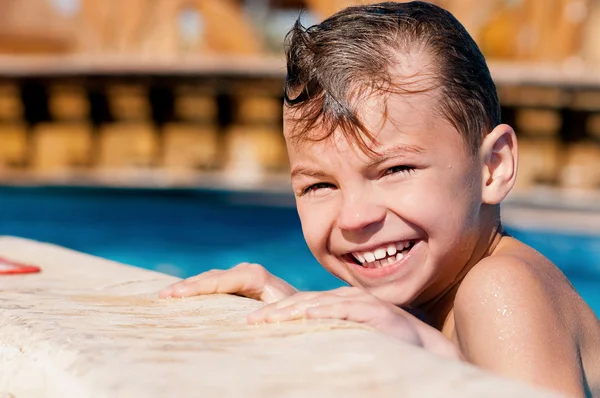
(130, 138)
(191, 140)
(142, 26)
(165, 118)
(61, 146)
(254, 140)
(541, 30)
(65, 142)
(591, 33)
(111, 26)
(182, 86)
(33, 27)
(325, 8)
(13, 129)
(549, 30)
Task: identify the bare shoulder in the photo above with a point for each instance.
(516, 313)
(515, 274)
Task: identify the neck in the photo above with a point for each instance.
(439, 308)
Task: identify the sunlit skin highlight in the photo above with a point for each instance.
(464, 290)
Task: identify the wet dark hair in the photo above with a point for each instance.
(354, 52)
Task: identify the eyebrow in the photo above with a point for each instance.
(308, 172)
(394, 152)
(381, 157)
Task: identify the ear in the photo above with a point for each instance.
(499, 156)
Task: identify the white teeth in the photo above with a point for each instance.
(380, 253)
(391, 250)
(382, 256)
(402, 245)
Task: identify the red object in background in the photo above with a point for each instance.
(8, 267)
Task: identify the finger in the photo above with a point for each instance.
(294, 309)
(238, 268)
(203, 275)
(345, 291)
(296, 298)
(174, 289)
(349, 310)
(277, 290)
(371, 314)
(259, 315)
(238, 282)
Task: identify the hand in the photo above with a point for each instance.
(357, 305)
(346, 303)
(248, 280)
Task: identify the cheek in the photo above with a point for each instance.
(444, 206)
(314, 227)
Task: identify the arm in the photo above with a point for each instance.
(510, 322)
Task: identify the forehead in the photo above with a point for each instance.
(389, 119)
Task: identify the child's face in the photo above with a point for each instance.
(421, 196)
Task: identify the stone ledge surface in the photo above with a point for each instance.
(89, 327)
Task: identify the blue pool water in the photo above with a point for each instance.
(185, 232)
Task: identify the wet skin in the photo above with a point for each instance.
(481, 296)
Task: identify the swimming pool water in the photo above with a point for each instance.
(185, 232)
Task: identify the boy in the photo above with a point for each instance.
(399, 163)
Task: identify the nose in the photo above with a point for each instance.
(359, 213)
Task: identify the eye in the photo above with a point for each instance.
(316, 187)
(399, 170)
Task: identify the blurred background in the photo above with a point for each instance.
(160, 90)
(149, 131)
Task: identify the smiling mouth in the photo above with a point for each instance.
(382, 256)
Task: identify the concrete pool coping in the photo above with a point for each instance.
(89, 327)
